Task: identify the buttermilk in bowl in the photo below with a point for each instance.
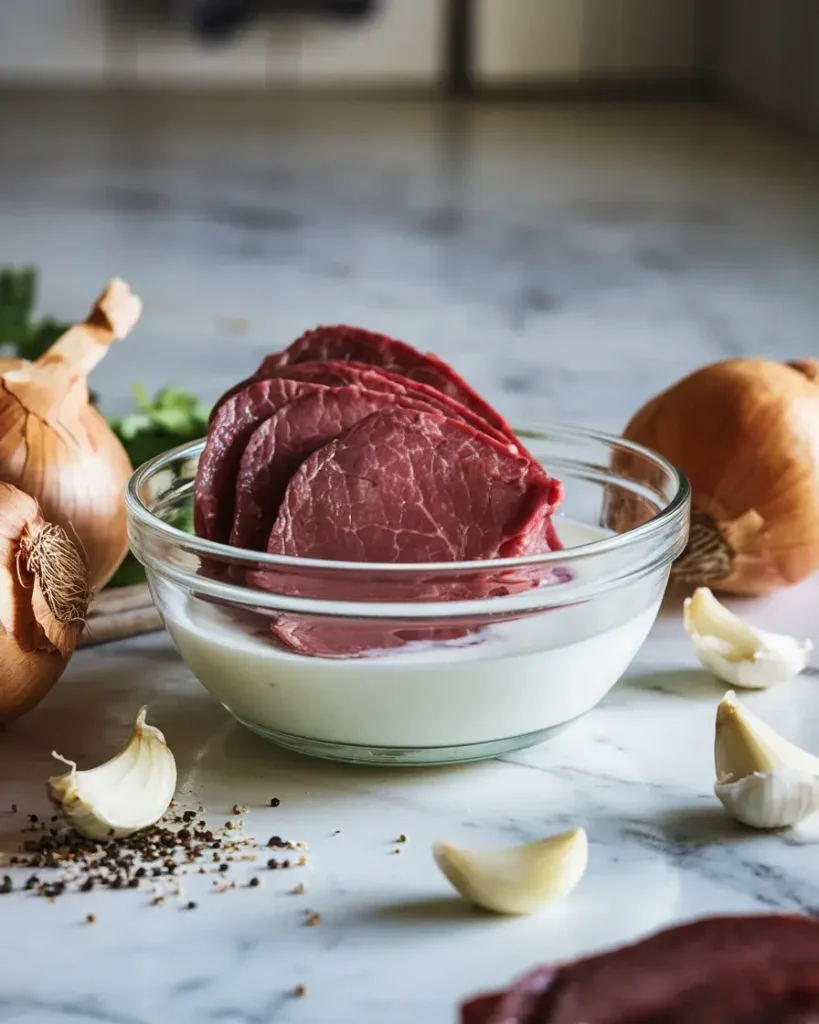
(386, 571)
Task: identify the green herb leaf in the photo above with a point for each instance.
(19, 332)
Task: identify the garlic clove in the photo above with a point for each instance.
(128, 793)
(745, 744)
(775, 799)
(763, 780)
(517, 879)
(736, 652)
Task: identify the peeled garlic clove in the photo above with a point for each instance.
(516, 879)
(763, 780)
(736, 652)
(122, 796)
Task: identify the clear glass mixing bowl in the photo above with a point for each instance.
(417, 669)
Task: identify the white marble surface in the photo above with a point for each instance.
(570, 262)
(394, 943)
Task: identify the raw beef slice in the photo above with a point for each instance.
(405, 486)
(724, 970)
(228, 434)
(278, 446)
(376, 378)
(345, 344)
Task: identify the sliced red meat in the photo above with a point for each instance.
(354, 344)
(723, 970)
(279, 445)
(228, 434)
(406, 486)
(376, 378)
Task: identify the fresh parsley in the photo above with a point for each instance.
(20, 333)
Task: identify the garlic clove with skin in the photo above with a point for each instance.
(517, 879)
(763, 780)
(128, 793)
(739, 653)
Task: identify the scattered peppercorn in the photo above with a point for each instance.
(403, 838)
(300, 991)
(239, 809)
(190, 905)
(253, 883)
(33, 819)
(275, 802)
(154, 852)
(14, 808)
(273, 864)
(6, 885)
(90, 918)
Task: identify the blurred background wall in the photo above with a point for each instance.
(94, 42)
(762, 52)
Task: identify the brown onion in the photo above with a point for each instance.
(44, 595)
(54, 444)
(746, 433)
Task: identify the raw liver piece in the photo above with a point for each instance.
(341, 342)
(228, 434)
(405, 486)
(723, 970)
(279, 445)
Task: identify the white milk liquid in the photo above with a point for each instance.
(523, 676)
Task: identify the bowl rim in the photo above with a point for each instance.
(672, 514)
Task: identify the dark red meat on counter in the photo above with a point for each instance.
(343, 343)
(722, 970)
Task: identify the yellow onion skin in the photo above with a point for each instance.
(56, 447)
(77, 471)
(746, 433)
(34, 648)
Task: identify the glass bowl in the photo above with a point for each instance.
(421, 664)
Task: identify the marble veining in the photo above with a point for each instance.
(570, 262)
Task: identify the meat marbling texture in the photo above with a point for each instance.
(406, 486)
(280, 444)
(421, 488)
(726, 970)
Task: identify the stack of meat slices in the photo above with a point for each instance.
(761, 969)
(352, 446)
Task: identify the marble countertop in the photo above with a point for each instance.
(570, 262)
(394, 943)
